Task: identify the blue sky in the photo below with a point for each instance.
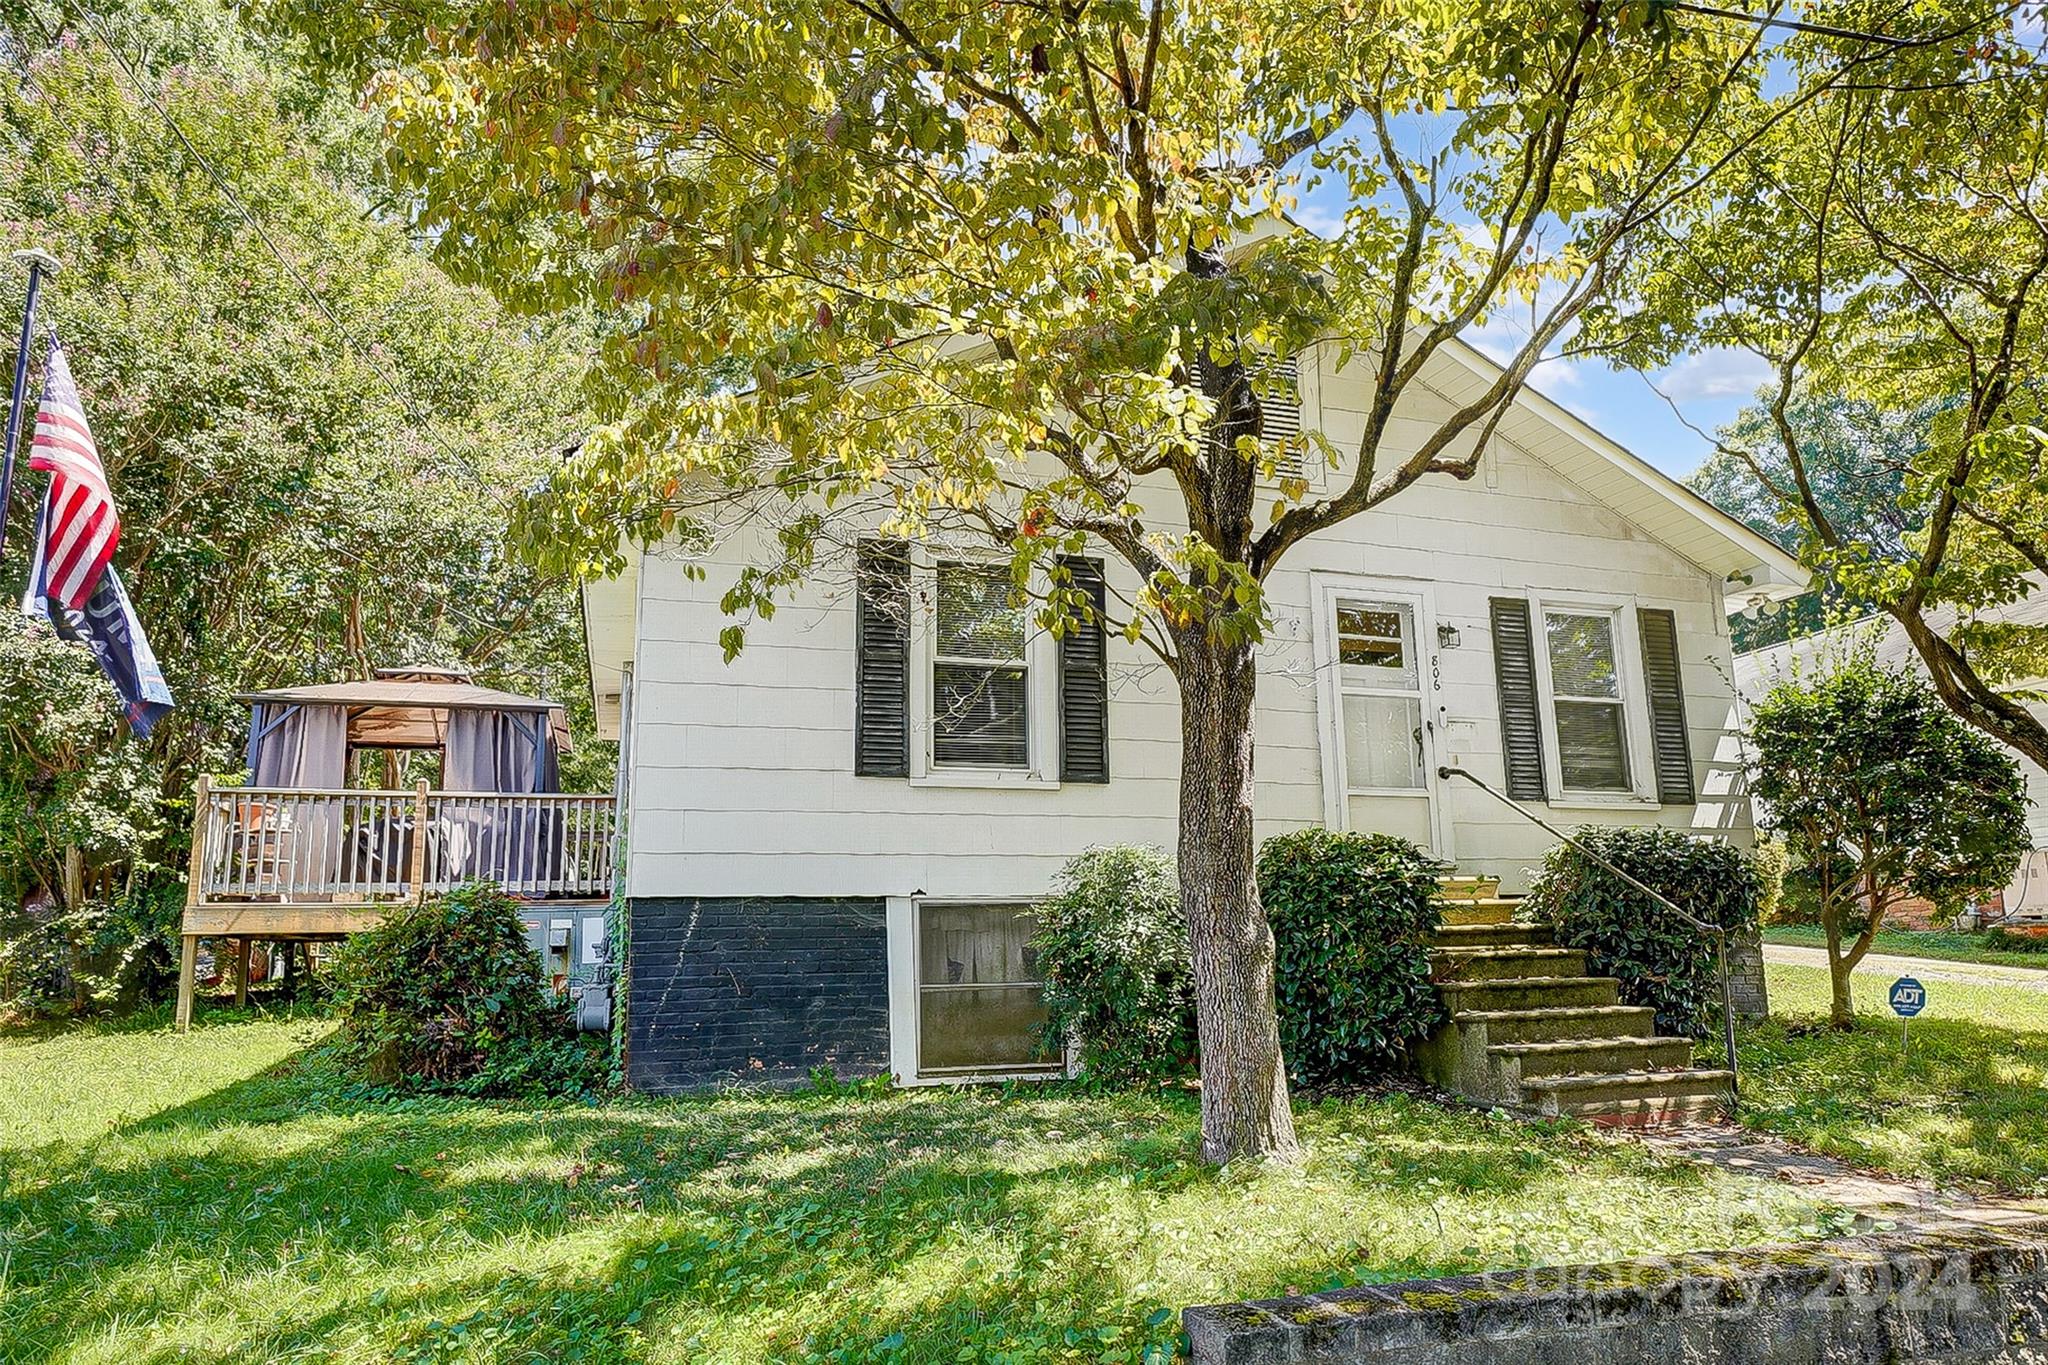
(1629, 406)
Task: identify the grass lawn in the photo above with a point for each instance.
(223, 1197)
(1969, 1104)
(1948, 945)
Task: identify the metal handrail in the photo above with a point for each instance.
(1720, 934)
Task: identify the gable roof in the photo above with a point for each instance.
(1749, 565)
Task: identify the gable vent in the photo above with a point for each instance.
(1277, 382)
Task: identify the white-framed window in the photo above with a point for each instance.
(984, 678)
(1592, 702)
(981, 669)
(971, 1000)
(1379, 685)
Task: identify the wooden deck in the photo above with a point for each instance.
(289, 864)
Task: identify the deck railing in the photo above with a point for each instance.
(296, 846)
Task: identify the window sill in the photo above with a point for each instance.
(1594, 801)
(1055, 1072)
(986, 779)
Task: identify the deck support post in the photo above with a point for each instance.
(242, 947)
(195, 868)
(419, 843)
(188, 962)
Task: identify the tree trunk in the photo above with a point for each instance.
(1963, 690)
(73, 896)
(1841, 1006)
(1244, 1083)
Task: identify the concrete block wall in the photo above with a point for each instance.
(1746, 975)
(1968, 1295)
(760, 990)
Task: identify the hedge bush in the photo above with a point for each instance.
(1351, 915)
(1113, 948)
(1660, 960)
(448, 995)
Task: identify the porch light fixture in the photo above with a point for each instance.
(1447, 637)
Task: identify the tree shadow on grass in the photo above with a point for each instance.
(283, 1214)
(756, 1196)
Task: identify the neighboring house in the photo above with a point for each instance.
(1758, 670)
(830, 839)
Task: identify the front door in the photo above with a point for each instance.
(1378, 731)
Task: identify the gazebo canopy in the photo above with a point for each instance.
(408, 708)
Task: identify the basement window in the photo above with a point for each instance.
(980, 995)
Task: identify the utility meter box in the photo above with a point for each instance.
(575, 958)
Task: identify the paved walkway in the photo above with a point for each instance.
(1925, 968)
(1909, 1205)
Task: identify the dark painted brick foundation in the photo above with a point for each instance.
(755, 989)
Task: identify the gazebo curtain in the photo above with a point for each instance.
(298, 746)
(507, 753)
(500, 751)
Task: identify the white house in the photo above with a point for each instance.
(830, 837)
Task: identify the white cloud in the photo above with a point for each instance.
(1718, 373)
(1321, 219)
(1506, 331)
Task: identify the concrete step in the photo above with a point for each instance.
(1492, 935)
(1639, 1098)
(1504, 963)
(1479, 910)
(1521, 1062)
(1530, 993)
(1469, 1054)
(1567, 1024)
(1469, 886)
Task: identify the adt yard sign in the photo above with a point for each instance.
(1909, 997)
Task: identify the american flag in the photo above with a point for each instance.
(82, 528)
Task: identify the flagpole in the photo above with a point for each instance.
(40, 263)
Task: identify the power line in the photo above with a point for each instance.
(234, 201)
(1797, 25)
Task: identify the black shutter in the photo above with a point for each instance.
(1666, 689)
(1084, 682)
(1521, 715)
(881, 647)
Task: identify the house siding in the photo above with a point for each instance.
(756, 989)
(744, 782)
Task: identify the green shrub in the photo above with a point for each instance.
(448, 996)
(1113, 947)
(1351, 915)
(1772, 862)
(112, 953)
(1660, 960)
